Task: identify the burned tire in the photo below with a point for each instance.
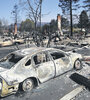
(27, 85)
(78, 64)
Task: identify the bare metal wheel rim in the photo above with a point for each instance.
(27, 85)
(77, 64)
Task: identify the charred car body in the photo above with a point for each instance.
(24, 69)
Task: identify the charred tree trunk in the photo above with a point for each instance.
(71, 24)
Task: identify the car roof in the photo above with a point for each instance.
(31, 50)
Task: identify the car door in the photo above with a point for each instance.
(44, 66)
(62, 62)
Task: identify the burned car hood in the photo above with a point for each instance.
(2, 69)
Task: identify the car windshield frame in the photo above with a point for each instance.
(10, 60)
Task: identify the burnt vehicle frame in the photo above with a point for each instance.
(29, 67)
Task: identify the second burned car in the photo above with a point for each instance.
(25, 69)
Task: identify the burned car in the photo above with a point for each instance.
(27, 68)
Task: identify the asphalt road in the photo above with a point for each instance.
(53, 89)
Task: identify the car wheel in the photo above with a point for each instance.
(78, 64)
(27, 85)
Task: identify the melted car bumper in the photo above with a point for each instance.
(7, 90)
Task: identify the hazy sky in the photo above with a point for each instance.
(49, 6)
(6, 7)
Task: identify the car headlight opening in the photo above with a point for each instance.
(0, 84)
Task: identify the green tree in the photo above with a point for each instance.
(0, 23)
(0, 27)
(87, 4)
(67, 6)
(45, 28)
(27, 25)
(64, 22)
(53, 25)
(11, 28)
(83, 20)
